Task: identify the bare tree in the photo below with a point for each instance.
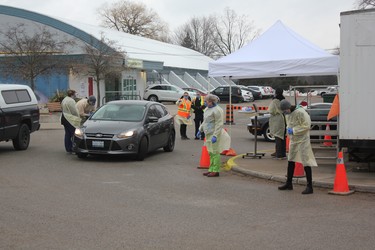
(102, 59)
(233, 32)
(217, 36)
(363, 4)
(200, 33)
(28, 54)
(134, 18)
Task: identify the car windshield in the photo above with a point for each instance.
(120, 112)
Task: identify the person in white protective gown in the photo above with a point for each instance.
(69, 119)
(298, 129)
(277, 124)
(217, 139)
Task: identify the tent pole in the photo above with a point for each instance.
(230, 105)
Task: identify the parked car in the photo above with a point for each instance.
(129, 127)
(19, 114)
(259, 89)
(247, 95)
(329, 90)
(164, 93)
(195, 90)
(269, 91)
(317, 111)
(256, 94)
(223, 93)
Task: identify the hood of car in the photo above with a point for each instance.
(109, 127)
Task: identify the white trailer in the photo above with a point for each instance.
(357, 84)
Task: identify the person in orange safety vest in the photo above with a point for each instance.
(183, 117)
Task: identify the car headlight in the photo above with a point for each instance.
(78, 133)
(127, 134)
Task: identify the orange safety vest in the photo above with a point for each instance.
(184, 108)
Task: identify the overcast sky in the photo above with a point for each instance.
(316, 20)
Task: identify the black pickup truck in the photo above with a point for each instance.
(19, 114)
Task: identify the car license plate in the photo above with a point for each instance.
(98, 144)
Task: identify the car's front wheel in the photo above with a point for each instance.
(153, 98)
(170, 146)
(142, 150)
(21, 142)
(267, 133)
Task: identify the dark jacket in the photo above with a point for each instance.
(197, 106)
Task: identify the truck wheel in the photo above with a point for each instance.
(267, 133)
(21, 142)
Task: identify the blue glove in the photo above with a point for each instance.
(290, 131)
(188, 117)
(199, 134)
(213, 139)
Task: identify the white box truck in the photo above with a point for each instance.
(357, 84)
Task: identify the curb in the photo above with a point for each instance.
(235, 168)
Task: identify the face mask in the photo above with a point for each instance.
(186, 97)
(286, 112)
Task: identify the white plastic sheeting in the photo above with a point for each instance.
(277, 52)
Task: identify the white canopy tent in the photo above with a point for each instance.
(277, 52)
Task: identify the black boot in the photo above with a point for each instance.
(289, 177)
(309, 188)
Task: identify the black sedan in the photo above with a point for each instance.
(126, 127)
(317, 112)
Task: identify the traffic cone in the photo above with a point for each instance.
(231, 152)
(205, 158)
(340, 185)
(224, 152)
(287, 144)
(327, 138)
(299, 171)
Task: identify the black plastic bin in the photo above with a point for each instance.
(328, 97)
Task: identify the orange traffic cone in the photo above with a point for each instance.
(224, 152)
(205, 158)
(231, 152)
(327, 138)
(287, 144)
(299, 171)
(340, 185)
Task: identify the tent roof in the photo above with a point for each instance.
(277, 52)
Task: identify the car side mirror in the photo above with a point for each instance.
(153, 119)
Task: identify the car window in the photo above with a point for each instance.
(120, 112)
(158, 87)
(219, 90)
(152, 111)
(16, 96)
(178, 89)
(160, 109)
